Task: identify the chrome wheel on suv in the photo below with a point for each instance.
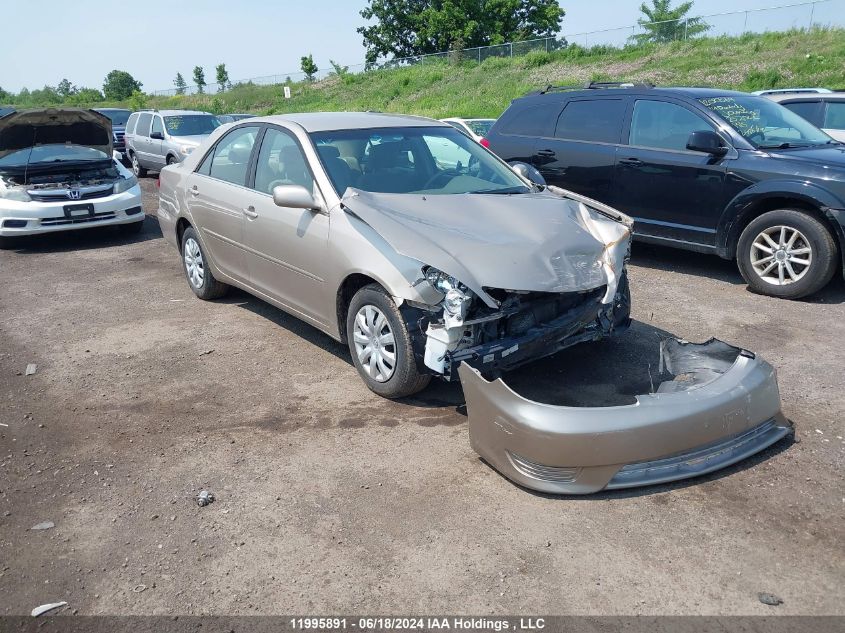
(781, 255)
(787, 253)
(139, 171)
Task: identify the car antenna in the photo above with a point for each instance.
(29, 156)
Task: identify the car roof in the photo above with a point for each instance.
(779, 91)
(111, 110)
(808, 96)
(173, 112)
(328, 121)
(674, 91)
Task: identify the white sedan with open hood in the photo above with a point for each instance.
(429, 256)
(58, 172)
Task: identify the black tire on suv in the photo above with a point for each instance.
(786, 253)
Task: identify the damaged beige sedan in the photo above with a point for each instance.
(418, 248)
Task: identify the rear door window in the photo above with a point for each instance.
(535, 120)
(232, 154)
(594, 120)
(664, 125)
(143, 127)
(130, 125)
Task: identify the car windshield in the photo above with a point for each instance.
(764, 123)
(51, 154)
(480, 127)
(117, 117)
(190, 124)
(429, 160)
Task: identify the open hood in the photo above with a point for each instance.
(540, 242)
(55, 126)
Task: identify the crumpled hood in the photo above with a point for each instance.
(45, 126)
(540, 242)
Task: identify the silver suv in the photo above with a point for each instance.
(155, 138)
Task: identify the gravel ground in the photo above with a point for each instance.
(331, 499)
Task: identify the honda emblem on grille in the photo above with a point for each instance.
(74, 194)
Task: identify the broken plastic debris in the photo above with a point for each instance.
(204, 498)
(44, 525)
(139, 588)
(30, 369)
(770, 599)
(44, 608)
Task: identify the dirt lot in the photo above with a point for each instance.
(330, 499)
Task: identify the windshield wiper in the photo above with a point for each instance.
(502, 191)
(787, 145)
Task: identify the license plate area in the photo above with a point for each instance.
(79, 210)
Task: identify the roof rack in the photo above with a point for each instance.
(592, 85)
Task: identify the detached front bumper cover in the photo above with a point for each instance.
(722, 406)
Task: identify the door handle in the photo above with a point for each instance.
(195, 191)
(634, 162)
(546, 153)
(250, 212)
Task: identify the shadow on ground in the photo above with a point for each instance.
(84, 239)
(703, 265)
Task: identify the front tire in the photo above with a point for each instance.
(170, 160)
(139, 171)
(199, 275)
(786, 253)
(381, 345)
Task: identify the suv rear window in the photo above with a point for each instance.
(595, 120)
(130, 126)
(535, 120)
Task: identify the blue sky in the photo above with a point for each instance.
(42, 41)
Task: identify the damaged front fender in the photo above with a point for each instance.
(722, 406)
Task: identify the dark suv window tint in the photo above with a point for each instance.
(532, 121)
(806, 109)
(664, 125)
(835, 117)
(596, 120)
(143, 128)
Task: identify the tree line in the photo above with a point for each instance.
(401, 28)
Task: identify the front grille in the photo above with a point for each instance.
(557, 474)
(61, 195)
(60, 221)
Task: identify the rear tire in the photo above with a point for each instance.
(195, 264)
(381, 346)
(170, 160)
(139, 171)
(786, 253)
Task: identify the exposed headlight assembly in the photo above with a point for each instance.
(16, 194)
(457, 296)
(125, 184)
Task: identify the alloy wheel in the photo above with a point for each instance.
(374, 343)
(194, 264)
(781, 255)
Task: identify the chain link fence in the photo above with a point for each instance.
(801, 15)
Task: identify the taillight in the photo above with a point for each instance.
(485, 143)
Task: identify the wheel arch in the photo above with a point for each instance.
(756, 201)
(351, 284)
(182, 225)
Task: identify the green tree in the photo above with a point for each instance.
(84, 96)
(119, 85)
(309, 68)
(664, 23)
(66, 89)
(137, 100)
(199, 79)
(222, 77)
(337, 69)
(45, 96)
(406, 28)
(5, 96)
(180, 84)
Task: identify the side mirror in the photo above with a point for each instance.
(529, 173)
(294, 197)
(707, 141)
(158, 136)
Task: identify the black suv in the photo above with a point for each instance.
(706, 170)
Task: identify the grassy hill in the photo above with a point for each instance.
(438, 89)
